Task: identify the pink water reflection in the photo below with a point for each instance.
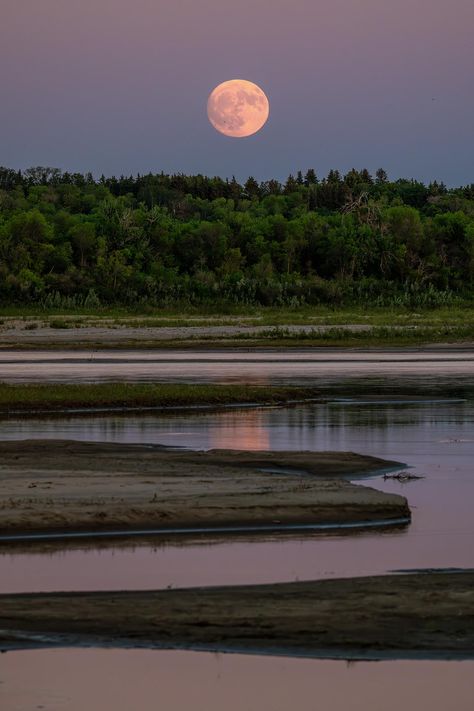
(122, 680)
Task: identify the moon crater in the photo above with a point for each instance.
(238, 108)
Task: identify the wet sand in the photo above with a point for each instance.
(55, 486)
(416, 615)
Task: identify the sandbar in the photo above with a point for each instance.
(397, 616)
(55, 485)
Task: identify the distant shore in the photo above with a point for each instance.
(64, 486)
(256, 327)
(420, 615)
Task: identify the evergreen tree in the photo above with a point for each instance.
(310, 177)
(251, 188)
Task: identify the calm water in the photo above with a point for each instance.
(436, 439)
(119, 680)
(294, 367)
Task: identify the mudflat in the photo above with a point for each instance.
(51, 485)
(423, 614)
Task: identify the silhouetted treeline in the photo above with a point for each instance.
(68, 239)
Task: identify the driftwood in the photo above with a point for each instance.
(402, 476)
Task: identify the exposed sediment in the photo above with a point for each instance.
(51, 485)
(424, 614)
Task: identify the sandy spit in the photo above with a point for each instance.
(424, 614)
(52, 485)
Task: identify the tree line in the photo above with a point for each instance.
(160, 240)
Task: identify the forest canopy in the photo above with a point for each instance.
(161, 240)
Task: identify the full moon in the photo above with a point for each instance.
(238, 108)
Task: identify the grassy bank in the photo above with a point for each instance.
(337, 336)
(56, 398)
(454, 316)
(262, 327)
(208, 314)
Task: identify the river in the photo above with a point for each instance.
(433, 436)
(436, 440)
(294, 367)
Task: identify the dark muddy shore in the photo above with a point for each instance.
(420, 615)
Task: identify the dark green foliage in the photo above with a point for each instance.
(66, 239)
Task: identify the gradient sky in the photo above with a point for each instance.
(120, 86)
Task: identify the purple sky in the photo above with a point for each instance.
(120, 86)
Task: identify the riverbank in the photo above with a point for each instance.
(64, 486)
(420, 615)
(346, 336)
(302, 327)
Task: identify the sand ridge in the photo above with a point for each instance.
(423, 614)
(53, 485)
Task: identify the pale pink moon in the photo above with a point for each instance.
(238, 108)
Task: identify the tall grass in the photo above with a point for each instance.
(50, 398)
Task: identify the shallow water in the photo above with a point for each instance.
(295, 367)
(122, 680)
(436, 439)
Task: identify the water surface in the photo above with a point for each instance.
(121, 680)
(435, 439)
(291, 367)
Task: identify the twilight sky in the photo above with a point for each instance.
(120, 86)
